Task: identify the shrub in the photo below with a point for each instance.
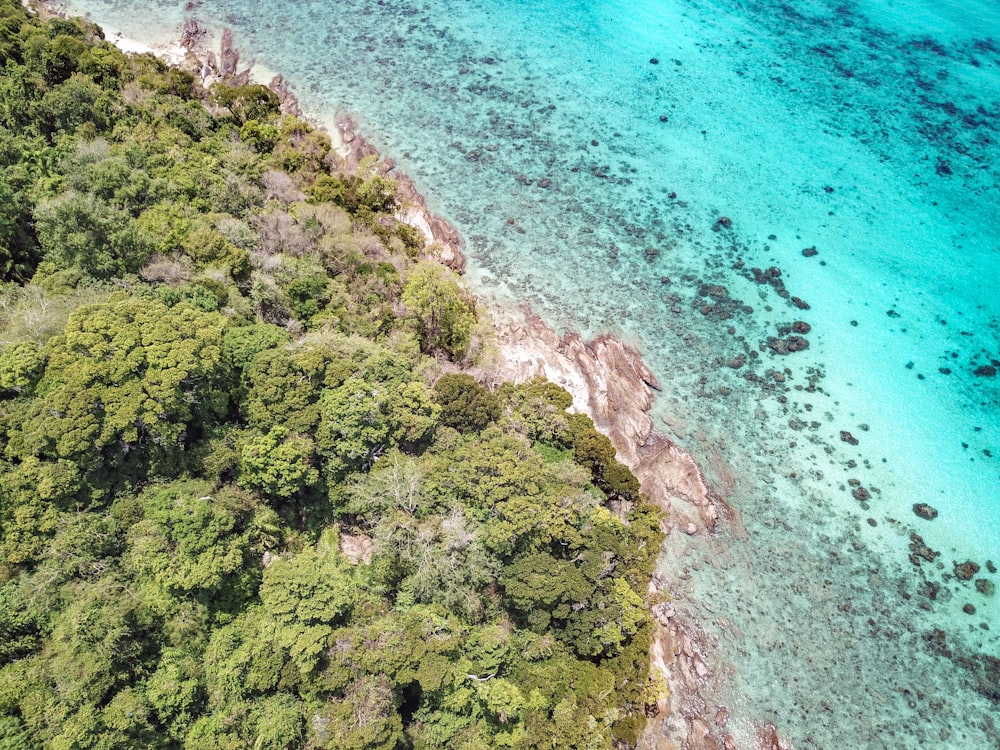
(465, 405)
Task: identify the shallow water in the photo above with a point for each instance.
(866, 130)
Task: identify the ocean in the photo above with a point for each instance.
(793, 212)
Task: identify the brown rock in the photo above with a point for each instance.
(797, 343)
(920, 551)
(860, 493)
(800, 303)
(985, 586)
(964, 571)
(722, 716)
(969, 609)
(925, 511)
(769, 739)
(357, 548)
(778, 346)
(847, 437)
(810, 252)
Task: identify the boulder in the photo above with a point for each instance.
(920, 551)
(966, 570)
(925, 511)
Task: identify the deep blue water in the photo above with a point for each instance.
(866, 130)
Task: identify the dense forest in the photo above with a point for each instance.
(248, 496)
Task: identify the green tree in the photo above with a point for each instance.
(128, 378)
(192, 543)
(465, 405)
(308, 595)
(81, 230)
(284, 387)
(596, 452)
(361, 420)
(278, 464)
(444, 313)
(249, 102)
(21, 366)
(364, 719)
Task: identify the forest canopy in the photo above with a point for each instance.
(248, 498)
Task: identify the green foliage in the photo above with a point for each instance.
(362, 419)
(307, 596)
(191, 543)
(364, 719)
(445, 315)
(465, 405)
(359, 196)
(84, 231)
(277, 464)
(245, 103)
(21, 366)
(284, 387)
(126, 383)
(241, 344)
(595, 451)
(261, 136)
(538, 408)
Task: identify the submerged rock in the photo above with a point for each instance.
(810, 252)
(722, 716)
(964, 571)
(985, 586)
(925, 511)
(920, 551)
(847, 437)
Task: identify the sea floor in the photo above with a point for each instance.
(792, 212)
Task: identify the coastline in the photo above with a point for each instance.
(606, 378)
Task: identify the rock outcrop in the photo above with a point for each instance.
(609, 381)
(352, 148)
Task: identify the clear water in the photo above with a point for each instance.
(868, 130)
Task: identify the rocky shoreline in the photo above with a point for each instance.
(607, 380)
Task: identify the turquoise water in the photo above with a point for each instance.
(868, 131)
